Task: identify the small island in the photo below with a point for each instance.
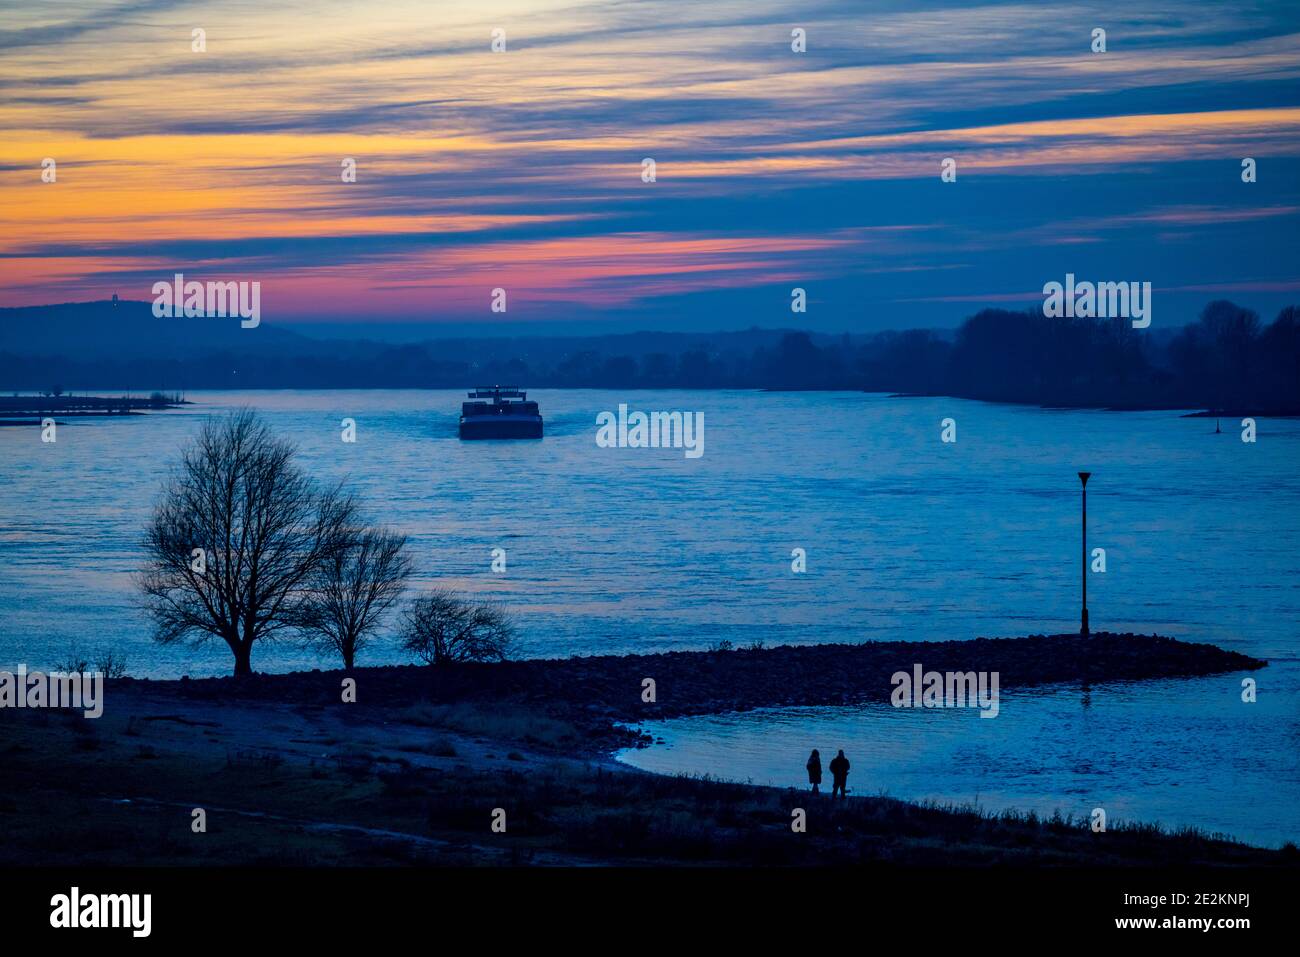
(28, 409)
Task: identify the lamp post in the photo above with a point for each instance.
(1083, 478)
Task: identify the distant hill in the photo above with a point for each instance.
(128, 329)
(107, 345)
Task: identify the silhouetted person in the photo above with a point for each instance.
(839, 774)
(814, 767)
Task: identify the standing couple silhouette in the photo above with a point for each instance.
(839, 767)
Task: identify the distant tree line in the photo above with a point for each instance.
(1227, 361)
(244, 547)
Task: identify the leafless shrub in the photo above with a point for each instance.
(441, 628)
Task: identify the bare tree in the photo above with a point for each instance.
(441, 628)
(235, 538)
(353, 588)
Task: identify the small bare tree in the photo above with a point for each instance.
(235, 538)
(441, 628)
(353, 589)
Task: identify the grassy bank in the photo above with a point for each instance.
(414, 771)
(305, 786)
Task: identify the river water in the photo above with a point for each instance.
(614, 550)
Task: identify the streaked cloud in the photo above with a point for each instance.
(522, 169)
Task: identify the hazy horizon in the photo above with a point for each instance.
(397, 332)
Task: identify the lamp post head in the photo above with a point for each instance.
(1083, 477)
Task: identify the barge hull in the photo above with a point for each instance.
(508, 429)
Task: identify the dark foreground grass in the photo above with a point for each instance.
(113, 802)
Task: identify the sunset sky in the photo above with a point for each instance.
(775, 169)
